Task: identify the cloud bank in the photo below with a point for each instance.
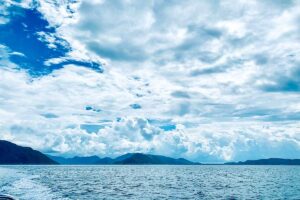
(206, 80)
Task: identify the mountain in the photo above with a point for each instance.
(146, 159)
(126, 159)
(11, 153)
(75, 160)
(105, 161)
(269, 161)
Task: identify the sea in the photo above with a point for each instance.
(150, 182)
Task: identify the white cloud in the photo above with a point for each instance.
(209, 67)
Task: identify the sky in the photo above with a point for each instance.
(208, 80)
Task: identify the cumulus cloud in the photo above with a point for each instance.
(205, 80)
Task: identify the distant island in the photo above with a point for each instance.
(126, 159)
(268, 161)
(12, 154)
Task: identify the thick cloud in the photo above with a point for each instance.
(206, 80)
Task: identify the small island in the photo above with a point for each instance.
(268, 161)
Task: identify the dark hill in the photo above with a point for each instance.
(11, 153)
(148, 159)
(105, 161)
(269, 161)
(90, 160)
(126, 159)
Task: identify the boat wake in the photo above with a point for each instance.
(23, 186)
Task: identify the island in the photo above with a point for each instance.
(126, 159)
(268, 161)
(12, 154)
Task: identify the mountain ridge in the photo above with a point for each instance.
(267, 161)
(13, 154)
(126, 159)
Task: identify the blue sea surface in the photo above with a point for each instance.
(151, 182)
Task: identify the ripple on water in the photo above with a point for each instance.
(152, 182)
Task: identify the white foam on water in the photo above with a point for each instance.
(23, 186)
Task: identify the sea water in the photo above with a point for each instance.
(150, 182)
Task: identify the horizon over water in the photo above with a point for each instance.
(150, 182)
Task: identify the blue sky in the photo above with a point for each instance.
(206, 80)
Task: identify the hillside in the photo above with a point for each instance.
(11, 153)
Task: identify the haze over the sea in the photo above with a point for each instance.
(209, 81)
